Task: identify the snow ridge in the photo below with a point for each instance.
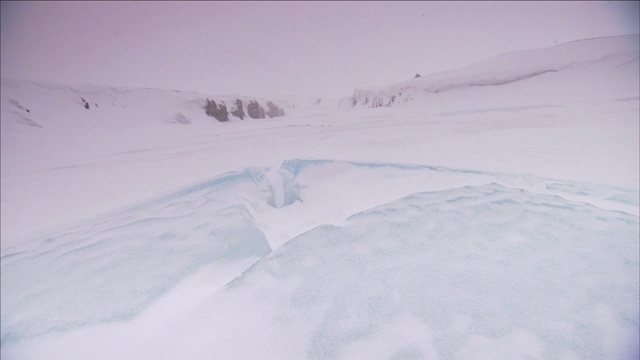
(592, 57)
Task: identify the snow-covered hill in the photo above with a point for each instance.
(591, 69)
(35, 104)
(52, 127)
(476, 222)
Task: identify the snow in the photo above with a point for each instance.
(573, 68)
(480, 222)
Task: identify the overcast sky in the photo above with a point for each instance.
(268, 48)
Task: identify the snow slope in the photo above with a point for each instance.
(592, 69)
(496, 222)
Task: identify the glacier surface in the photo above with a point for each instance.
(475, 271)
(486, 214)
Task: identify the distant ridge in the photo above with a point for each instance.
(594, 68)
(40, 104)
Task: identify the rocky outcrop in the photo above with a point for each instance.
(255, 110)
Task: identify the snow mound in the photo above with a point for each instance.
(601, 68)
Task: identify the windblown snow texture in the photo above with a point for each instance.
(112, 268)
(472, 267)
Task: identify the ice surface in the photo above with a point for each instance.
(471, 272)
(525, 272)
(113, 267)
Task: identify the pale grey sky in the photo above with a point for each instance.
(269, 48)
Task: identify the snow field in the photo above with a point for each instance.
(492, 216)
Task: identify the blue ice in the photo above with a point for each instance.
(448, 272)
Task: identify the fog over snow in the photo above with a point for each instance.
(266, 48)
(490, 211)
